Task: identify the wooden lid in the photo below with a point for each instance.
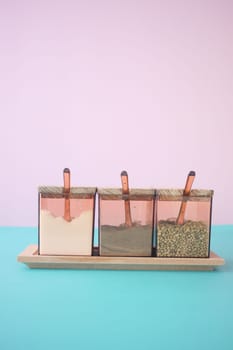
(134, 194)
(58, 192)
(173, 194)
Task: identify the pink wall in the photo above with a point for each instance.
(101, 86)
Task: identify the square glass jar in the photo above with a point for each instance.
(191, 238)
(60, 234)
(116, 238)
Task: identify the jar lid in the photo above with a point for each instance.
(58, 192)
(134, 194)
(173, 194)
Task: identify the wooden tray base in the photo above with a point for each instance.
(31, 258)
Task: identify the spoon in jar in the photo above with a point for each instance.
(125, 191)
(186, 192)
(66, 191)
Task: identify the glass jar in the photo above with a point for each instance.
(66, 221)
(191, 237)
(126, 222)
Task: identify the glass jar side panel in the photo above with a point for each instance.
(190, 238)
(120, 236)
(56, 206)
(112, 212)
(66, 226)
(194, 210)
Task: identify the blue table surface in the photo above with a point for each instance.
(79, 309)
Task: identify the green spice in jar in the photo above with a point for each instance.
(190, 239)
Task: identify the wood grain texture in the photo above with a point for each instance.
(58, 192)
(31, 258)
(174, 194)
(134, 194)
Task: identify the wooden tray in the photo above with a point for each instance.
(31, 258)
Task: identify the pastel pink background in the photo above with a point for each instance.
(101, 86)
